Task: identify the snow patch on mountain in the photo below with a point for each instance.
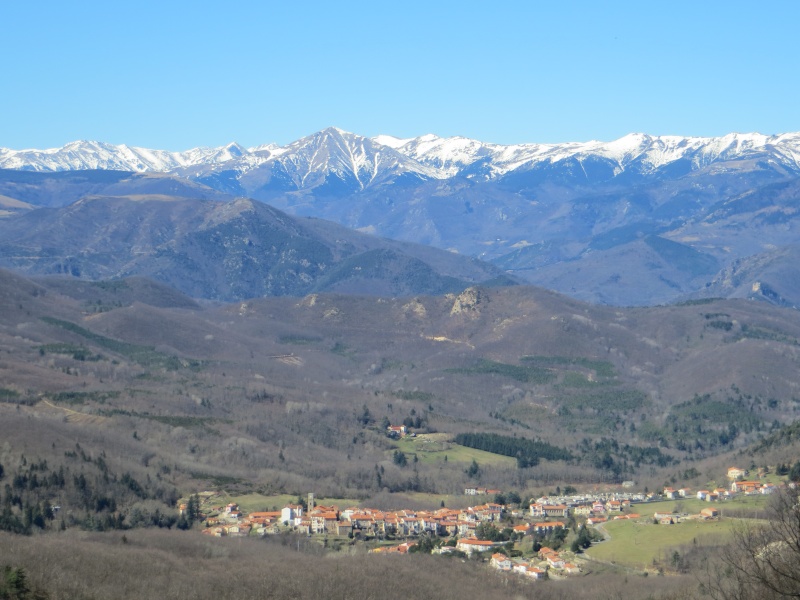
(83, 155)
(369, 161)
(350, 157)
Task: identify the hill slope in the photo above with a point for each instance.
(224, 251)
(292, 393)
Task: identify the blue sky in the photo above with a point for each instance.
(176, 75)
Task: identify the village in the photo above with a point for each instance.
(528, 539)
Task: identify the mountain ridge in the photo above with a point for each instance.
(571, 217)
(437, 157)
(225, 250)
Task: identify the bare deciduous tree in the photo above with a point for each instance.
(763, 560)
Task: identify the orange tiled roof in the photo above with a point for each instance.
(476, 542)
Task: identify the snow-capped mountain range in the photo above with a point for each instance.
(641, 219)
(368, 161)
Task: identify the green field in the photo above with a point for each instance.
(434, 447)
(638, 543)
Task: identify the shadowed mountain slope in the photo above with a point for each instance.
(225, 251)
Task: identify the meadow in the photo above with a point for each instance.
(436, 448)
(639, 543)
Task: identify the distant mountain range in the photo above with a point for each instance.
(640, 220)
(368, 161)
(226, 250)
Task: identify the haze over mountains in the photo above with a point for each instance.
(640, 220)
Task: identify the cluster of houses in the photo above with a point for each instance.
(738, 486)
(596, 511)
(370, 522)
(549, 561)
(544, 515)
(672, 518)
(579, 506)
(367, 522)
(707, 495)
(232, 522)
(753, 487)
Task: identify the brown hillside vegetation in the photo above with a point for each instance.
(286, 393)
(112, 415)
(157, 564)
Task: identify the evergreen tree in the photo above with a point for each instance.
(14, 585)
(399, 458)
(193, 509)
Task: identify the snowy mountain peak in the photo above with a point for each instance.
(333, 133)
(368, 161)
(347, 157)
(639, 151)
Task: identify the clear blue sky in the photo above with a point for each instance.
(176, 74)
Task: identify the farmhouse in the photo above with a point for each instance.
(397, 430)
(665, 518)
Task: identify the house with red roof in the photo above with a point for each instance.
(470, 545)
(397, 430)
(500, 561)
(746, 487)
(535, 572)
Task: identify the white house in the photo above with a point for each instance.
(292, 514)
(501, 561)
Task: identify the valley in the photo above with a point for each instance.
(119, 398)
